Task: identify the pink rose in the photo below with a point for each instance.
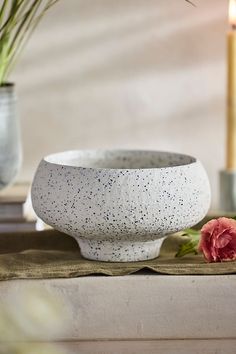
(218, 240)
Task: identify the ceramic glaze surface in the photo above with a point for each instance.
(120, 205)
(10, 141)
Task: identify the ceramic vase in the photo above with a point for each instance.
(10, 141)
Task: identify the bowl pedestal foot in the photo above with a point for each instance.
(119, 251)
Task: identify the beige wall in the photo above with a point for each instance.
(128, 74)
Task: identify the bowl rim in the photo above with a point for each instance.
(49, 157)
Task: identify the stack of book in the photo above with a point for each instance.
(12, 216)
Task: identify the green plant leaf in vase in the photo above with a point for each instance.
(18, 19)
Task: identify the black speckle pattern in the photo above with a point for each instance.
(120, 204)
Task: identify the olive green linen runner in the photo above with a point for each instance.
(51, 254)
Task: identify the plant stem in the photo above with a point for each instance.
(18, 19)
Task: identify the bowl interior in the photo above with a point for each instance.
(119, 159)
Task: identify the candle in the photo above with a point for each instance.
(231, 126)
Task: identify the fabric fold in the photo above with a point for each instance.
(51, 254)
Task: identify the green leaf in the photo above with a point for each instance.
(191, 245)
(191, 232)
(187, 248)
(18, 19)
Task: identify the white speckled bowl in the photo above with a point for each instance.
(120, 205)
